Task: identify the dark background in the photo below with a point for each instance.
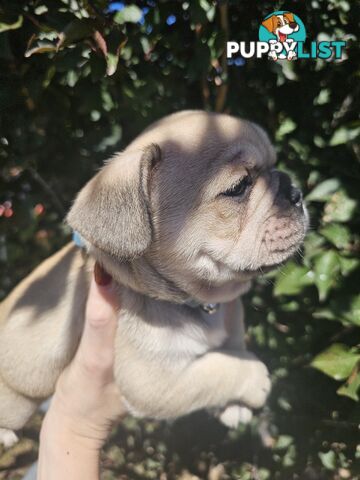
(78, 80)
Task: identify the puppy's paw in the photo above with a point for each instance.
(233, 415)
(257, 386)
(8, 438)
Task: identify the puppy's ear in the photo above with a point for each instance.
(270, 23)
(112, 211)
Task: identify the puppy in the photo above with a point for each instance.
(183, 220)
(281, 26)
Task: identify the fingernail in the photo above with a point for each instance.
(102, 278)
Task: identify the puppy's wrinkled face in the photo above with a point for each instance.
(196, 201)
(222, 213)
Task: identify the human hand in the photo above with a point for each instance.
(86, 401)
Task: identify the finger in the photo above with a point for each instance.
(102, 277)
(102, 299)
(97, 343)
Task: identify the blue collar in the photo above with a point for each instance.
(78, 240)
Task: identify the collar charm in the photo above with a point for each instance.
(210, 308)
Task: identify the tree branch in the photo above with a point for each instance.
(223, 88)
(50, 192)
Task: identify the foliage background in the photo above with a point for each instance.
(78, 80)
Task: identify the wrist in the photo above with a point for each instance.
(60, 428)
(65, 452)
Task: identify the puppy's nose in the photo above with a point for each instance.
(292, 25)
(288, 190)
(295, 196)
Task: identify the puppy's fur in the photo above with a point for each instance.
(170, 219)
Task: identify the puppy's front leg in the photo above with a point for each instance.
(214, 380)
(15, 410)
(234, 318)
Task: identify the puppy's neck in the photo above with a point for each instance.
(141, 276)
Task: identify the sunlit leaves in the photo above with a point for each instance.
(345, 309)
(40, 46)
(292, 279)
(344, 135)
(338, 235)
(340, 208)
(88, 32)
(130, 13)
(352, 386)
(286, 126)
(4, 27)
(337, 361)
(326, 270)
(341, 363)
(76, 30)
(322, 191)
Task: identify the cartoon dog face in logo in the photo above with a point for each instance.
(282, 25)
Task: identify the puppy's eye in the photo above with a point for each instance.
(240, 188)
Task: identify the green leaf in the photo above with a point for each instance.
(337, 361)
(314, 244)
(353, 314)
(322, 191)
(327, 313)
(283, 441)
(41, 9)
(351, 386)
(344, 135)
(340, 208)
(348, 265)
(328, 459)
(292, 279)
(40, 47)
(4, 27)
(114, 55)
(343, 309)
(323, 97)
(130, 13)
(209, 9)
(76, 30)
(326, 269)
(286, 126)
(338, 235)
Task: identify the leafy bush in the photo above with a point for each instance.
(79, 79)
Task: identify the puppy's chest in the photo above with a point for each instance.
(214, 327)
(178, 333)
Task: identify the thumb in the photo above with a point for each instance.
(97, 342)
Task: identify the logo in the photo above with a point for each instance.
(282, 30)
(282, 36)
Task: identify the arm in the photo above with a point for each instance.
(86, 401)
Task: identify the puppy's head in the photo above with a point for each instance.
(197, 197)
